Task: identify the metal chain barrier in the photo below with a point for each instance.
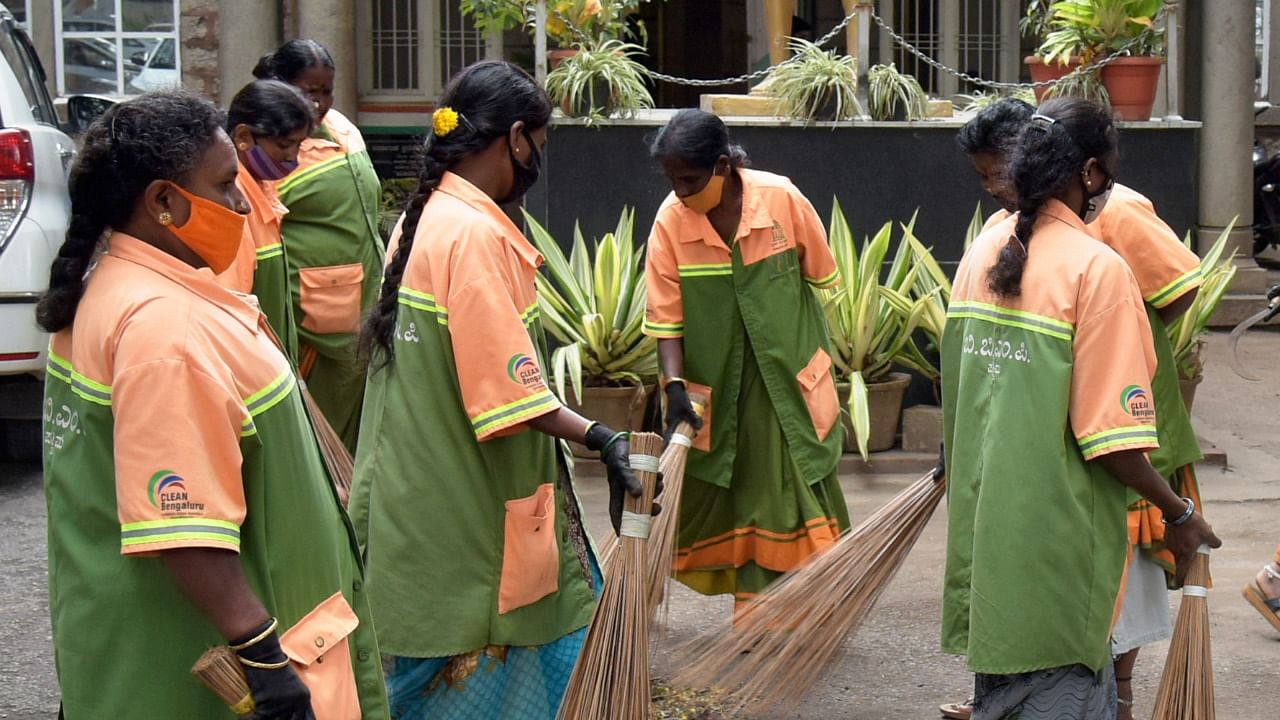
(1093, 66)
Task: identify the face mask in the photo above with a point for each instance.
(264, 167)
(212, 232)
(708, 198)
(1093, 204)
(524, 177)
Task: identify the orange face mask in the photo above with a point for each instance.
(706, 199)
(213, 232)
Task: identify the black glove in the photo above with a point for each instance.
(679, 409)
(940, 471)
(278, 692)
(615, 449)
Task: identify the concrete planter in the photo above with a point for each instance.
(621, 408)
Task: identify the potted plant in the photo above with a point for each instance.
(816, 84)
(871, 323)
(1093, 29)
(893, 95)
(569, 23)
(1186, 333)
(593, 306)
(1036, 22)
(601, 80)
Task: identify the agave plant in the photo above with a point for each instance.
(871, 320)
(593, 305)
(1184, 333)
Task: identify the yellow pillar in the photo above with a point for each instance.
(777, 21)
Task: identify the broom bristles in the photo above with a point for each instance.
(785, 637)
(611, 678)
(220, 670)
(1186, 686)
(334, 452)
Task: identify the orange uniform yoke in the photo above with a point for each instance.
(683, 244)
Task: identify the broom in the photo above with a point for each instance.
(662, 540)
(219, 670)
(337, 460)
(783, 639)
(1186, 687)
(611, 678)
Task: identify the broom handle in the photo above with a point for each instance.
(1197, 582)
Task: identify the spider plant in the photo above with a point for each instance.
(1081, 84)
(603, 79)
(982, 99)
(871, 320)
(891, 93)
(593, 305)
(1185, 332)
(817, 84)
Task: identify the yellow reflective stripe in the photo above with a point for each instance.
(248, 428)
(90, 390)
(271, 395)
(1175, 289)
(530, 314)
(663, 330)
(709, 270)
(514, 412)
(827, 281)
(270, 251)
(157, 531)
(423, 301)
(1097, 443)
(1013, 318)
(307, 174)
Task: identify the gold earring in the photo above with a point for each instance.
(165, 218)
(243, 146)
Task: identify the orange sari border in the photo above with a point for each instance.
(780, 552)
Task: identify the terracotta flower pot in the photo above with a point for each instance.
(621, 408)
(1040, 72)
(884, 401)
(557, 56)
(1131, 82)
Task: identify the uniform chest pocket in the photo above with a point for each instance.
(783, 263)
(330, 298)
(317, 647)
(818, 386)
(530, 551)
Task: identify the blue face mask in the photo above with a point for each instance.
(264, 167)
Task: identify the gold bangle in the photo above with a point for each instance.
(271, 627)
(264, 666)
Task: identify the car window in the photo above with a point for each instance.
(18, 53)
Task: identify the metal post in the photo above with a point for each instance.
(1173, 62)
(540, 43)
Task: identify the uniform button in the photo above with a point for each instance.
(357, 585)
(319, 642)
(363, 655)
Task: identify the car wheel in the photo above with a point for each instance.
(23, 439)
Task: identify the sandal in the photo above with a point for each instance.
(957, 711)
(1268, 608)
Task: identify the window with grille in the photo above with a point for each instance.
(978, 37)
(413, 47)
(116, 47)
(395, 46)
(459, 42)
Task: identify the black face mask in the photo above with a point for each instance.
(524, 177)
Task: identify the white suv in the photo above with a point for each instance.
(35, 155)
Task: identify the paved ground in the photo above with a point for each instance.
(892, 668)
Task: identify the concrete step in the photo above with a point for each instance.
(1235, 307)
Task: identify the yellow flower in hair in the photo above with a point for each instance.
(444, 121)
